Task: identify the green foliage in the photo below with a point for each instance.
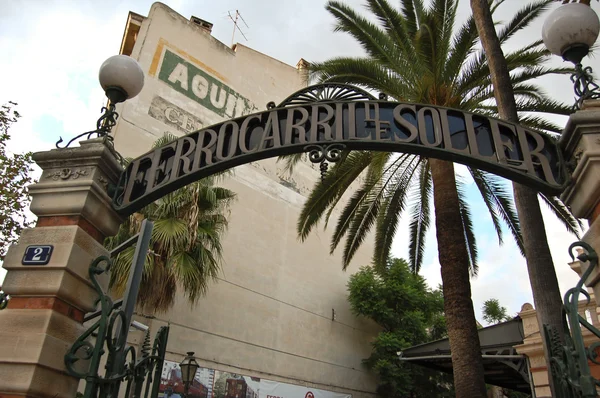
(15, 176)
(410, 313)
(419, 53)
(185, 248)
(515, 394)
(493, 312)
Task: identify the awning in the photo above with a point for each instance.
(502, 365)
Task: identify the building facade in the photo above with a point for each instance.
(279, 309)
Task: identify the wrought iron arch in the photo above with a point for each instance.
(326, 119)
(328, 92)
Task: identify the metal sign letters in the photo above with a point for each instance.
(325, 119)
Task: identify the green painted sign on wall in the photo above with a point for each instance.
(201, 87)
(172, 115)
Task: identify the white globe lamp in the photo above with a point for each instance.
(121, 77)
(570, 31)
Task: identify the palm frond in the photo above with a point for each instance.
(539, 123)
(462, 47)
(331, 189)
(412, 12)
(393, 206)
(500, 199)
(523, 18)
(489, 200)
(420, 215)
(348, 179)
(444, 15)
(169, 232)
(347, 215)
(188, 227)
(363, 72)
(467, 223)
(360, 212)
(374, 40)
(164, 140)
(544, 106)
(523, 75)
(394, 23)
(362, 220)
(562, 212)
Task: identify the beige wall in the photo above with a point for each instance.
(270, 314)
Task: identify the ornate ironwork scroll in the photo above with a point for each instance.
(326, 92)
(569, 360)
(104, 125)
(584, 86)
(323, 154)
(108, 334)
(328, 114)
(318, 153)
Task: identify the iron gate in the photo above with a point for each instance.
(569, 361)
(108, 335)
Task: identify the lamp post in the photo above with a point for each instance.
(188, 367)
(122, 78)
(570, 31)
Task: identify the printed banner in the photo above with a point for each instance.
(210, 383)
(273, 389)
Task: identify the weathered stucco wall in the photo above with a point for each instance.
(270, 314)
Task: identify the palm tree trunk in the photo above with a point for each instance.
(542, 276)
(458, 307)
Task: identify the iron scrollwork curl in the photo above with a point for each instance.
(569, 359)
(326, 92)
(323, 154)
(110, 334)
(319, 153)
(99, 328)
(104, 125)
(584, 86)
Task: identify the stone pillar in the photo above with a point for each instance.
(580, 142)
(48, 302)
(533, 347)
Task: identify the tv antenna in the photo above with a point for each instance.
(236, 25)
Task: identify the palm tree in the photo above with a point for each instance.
(414, 55)
(542, 276)
(185, 247)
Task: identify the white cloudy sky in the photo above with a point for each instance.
(51, 50)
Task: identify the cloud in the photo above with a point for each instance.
(50, 70)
